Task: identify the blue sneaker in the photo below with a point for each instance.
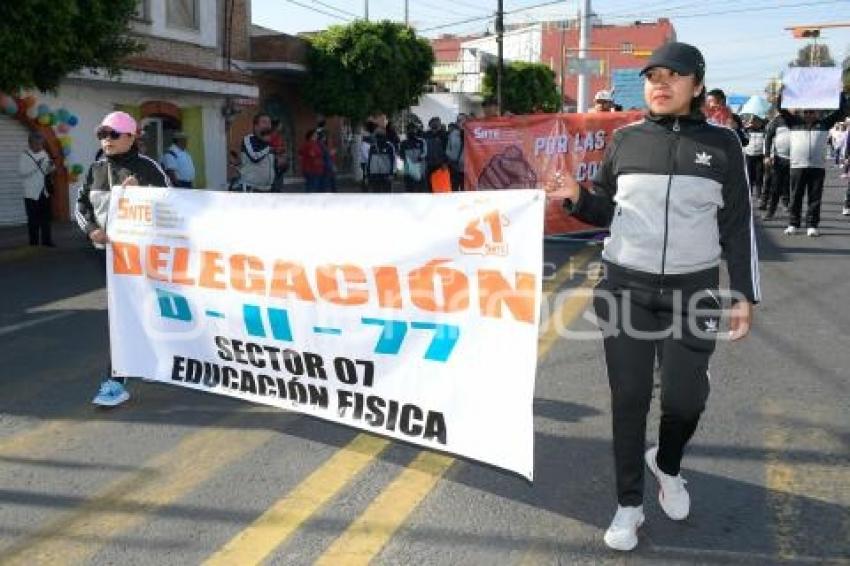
(111, 394)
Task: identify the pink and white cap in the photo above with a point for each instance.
(120, 122)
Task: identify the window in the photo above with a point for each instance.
(183, 14)
(142, 10)
(627, 47)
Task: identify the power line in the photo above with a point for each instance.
(491, 16)
(317, 10)
(332, 7)
(764, 8)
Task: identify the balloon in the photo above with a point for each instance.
(11, 107)
(44, 120)
(77, 168)
(66, 151)
(43, 109)
(51, 119)
(73, 120)
(63, 128)
(62, 115)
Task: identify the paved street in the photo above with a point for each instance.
(178, 477)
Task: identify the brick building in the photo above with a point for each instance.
(617, 47)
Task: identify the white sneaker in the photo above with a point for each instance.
(790, 231)
(845, 211)
(672, 495)
(622, 534)
(812, 232)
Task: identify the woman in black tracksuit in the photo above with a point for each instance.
(122, 164)
(673, 190)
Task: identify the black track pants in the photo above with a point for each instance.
(780, 184)
(637, 312)
(808, 182)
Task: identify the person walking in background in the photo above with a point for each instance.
(281, 159)
(754, 150)
(777, 148)
(34, 168)
(673, 190)
(809, 133)
(257, 169)
(455, 153)
(381, 163)
(366, 140)
(603, 101)
(435, 140)
(121, 165)
(328, 184)
(312, 162)
(177, 162)
(413, 153)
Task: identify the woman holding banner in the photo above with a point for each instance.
(674, 191)
(121, 164)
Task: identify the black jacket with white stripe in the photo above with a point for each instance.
(674, 192)
(93, 200)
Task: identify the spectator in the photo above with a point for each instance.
(278, 144)
(258, 161)
(413, 152)
(455, 153)
(716, 111)
(34, 168)
(178, 163)
(328, 184)
(381, 163)
(435, 140)
(366, 140)
(603, 102)
(312, 162)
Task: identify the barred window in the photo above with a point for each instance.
(183, 14)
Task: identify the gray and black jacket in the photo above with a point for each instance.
(674, 192)
(93, 200)
(808, 141)
(777, 139)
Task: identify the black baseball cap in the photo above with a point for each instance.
(683, 58)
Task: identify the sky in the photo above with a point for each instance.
(744, 41)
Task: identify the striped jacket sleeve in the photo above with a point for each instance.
(737, 233)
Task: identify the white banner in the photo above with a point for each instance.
(412, 316)
(814, 88)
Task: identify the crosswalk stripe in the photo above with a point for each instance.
(281, 520)
(130, 499)
(371, 531)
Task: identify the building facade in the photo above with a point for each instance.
(189, 77)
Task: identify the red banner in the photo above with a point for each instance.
(531, 151)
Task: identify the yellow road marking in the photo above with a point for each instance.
(257, 541)
(376, 525)
(371, 531)
(126, 502)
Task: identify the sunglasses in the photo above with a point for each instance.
(111, 134)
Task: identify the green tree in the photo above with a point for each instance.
(526, 87)
(44, 40)
(366, 67)
(814, 55)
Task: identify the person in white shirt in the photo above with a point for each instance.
(178, 163)
(34, 166)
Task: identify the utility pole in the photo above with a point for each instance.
(583, 44)
(366, 10)
(407, 12)
(500, 66)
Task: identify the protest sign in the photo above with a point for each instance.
(532, 151)
(411, 316)
(817, 88)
